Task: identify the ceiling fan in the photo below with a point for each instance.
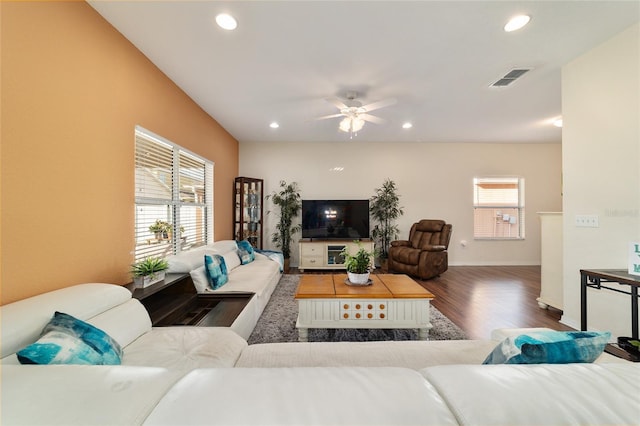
(354, 113)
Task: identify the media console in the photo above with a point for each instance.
(325, 254)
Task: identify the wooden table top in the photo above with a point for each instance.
(384, 286)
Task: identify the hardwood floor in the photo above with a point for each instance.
(479, 299)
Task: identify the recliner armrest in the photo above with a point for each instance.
(434, 248)
(400, 243)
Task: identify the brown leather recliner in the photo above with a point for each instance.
(424, 255)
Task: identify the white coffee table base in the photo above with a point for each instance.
(363, 313)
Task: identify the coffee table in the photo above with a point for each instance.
(391, 301)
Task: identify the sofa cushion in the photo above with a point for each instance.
(185, 348)
(223, 246)
(81, 394)
(125, 322)
(549, 347)
(67, 340)
(186, 261)
(541, 394)
(23, 321)
(302, 396)
(216, 270)
(246, 252)
(408, 354)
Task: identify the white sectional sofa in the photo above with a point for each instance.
(260, 277)
(191, 375)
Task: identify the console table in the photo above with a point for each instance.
(598, 279)
(325, 254)
(175, 301)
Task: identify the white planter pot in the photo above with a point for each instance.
(358, 279)
(147, 280)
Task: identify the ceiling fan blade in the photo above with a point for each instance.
(372, 118)
(379, 104)
(337, 102)
(324, 117)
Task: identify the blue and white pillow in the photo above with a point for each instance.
(216, 270)
(246, 252)
(68, 340)
(550, 347)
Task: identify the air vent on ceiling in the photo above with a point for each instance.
(510, 77)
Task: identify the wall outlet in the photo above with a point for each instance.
(587, 221)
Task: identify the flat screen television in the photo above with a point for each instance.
(335, 219)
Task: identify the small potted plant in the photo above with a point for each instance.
(160, 229)
(358, 265)
(149, 271)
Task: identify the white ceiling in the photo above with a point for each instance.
(436, 58)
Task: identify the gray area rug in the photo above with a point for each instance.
(278, 323)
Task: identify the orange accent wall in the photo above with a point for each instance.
(72, 91)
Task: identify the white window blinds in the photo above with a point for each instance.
(173, 197)
(498, 208)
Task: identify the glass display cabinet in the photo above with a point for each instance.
(247, 216)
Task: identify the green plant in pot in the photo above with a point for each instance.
(384, 208)
(358, 265)
(149, 271)
(288, 202)
(160, 229)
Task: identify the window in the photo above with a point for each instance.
(173, 197)
(498, 208)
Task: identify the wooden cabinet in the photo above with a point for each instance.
(326, 254)
(175, 301)
(248, 210)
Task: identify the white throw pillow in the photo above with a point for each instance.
(232, 260)
(199, 278)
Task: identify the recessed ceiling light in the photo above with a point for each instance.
(407, 125)
(557, 122)
(274, 125)
(517, 22)
(226, 21)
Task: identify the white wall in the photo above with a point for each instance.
(434, 181)
(601, 163)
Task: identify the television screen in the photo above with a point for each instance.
(335, 219)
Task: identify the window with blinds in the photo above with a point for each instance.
(498, 208)
(173, 197)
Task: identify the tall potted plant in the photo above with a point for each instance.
(287, 200)
(385, 209)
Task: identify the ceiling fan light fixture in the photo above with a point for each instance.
(351, 124)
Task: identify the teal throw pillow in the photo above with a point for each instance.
(550, 347)
(67, 340)
(246, 252)
(216, 270)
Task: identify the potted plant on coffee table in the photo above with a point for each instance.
(289, 204)
(149, 271)
(358, 265)
(384, 208)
